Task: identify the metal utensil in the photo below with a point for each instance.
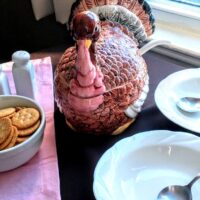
(189, 104)
(177, 192)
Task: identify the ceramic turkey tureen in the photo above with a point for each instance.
(101, 83)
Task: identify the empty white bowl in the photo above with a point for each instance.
(18, 155)
(140, 166)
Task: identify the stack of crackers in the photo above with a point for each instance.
(17, 125)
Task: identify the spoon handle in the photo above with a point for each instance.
(193, 181)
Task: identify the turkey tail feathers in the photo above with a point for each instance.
(138, 8)
(124, 17)
(148, 10)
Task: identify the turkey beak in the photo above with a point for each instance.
(88, 43)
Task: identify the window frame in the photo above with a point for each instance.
(179, 15)
(177, 8)
(178, 27)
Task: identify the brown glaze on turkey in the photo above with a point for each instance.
(138, 7)
(117, 76)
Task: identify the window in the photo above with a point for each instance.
(179, 22)
(187, 8)
(178, 14)
(189, 2)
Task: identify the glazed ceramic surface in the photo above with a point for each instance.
(102, 82)
(138, 167)
(179, 84)
(21, 153)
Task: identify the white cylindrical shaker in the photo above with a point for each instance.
(24, 74)
(4, 85)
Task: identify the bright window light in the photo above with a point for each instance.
(178, 21)
(187, 8)
(189, 2)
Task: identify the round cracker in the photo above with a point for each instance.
(19, 108)
(14, 139)
(25, 118)
(29, 131)
(5, 129)
(6, 111)
(21, 139)
(11, 115)
(8, 140)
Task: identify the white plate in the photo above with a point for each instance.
(138, 167)
(179, 84)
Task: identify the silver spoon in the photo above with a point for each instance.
(189, 104)
(177, 192)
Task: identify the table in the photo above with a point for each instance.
(79, 153)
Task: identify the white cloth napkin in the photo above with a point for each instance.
(43, 8)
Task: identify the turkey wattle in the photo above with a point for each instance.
(101, 84)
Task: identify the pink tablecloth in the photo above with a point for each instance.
(39, 178)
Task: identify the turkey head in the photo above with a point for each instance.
(102, 82)
(86, 88)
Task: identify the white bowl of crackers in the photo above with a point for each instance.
(22, 123)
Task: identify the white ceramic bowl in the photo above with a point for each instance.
(140, 166)
(18, 155)
(175, 86)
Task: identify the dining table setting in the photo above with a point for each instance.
(107, 118)
(78, 154)
(69, 164)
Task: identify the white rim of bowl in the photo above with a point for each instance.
(42, 123)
